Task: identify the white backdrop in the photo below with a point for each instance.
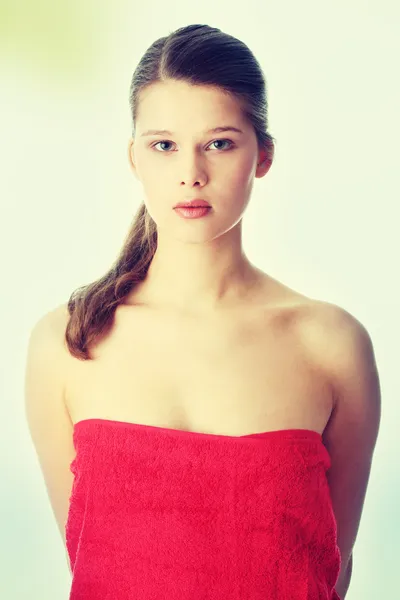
(324, 220)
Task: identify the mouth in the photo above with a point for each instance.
(192, 212)
(196, 203)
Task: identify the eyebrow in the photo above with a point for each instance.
(214, 130)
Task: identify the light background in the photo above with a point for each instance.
(324, 220)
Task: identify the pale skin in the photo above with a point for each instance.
(208, 342)
(199, 265)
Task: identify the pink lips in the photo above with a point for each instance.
(196, 202)
(191, 212)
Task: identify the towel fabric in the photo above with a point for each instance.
(158, 513)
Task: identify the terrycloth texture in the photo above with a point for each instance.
(164, 514)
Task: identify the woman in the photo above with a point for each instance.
(205, 431)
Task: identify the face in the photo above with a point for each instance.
(190, 162)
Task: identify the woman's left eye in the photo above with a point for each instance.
(231, 144)
(227, 141)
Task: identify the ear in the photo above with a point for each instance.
(131, 157)
(264, 163)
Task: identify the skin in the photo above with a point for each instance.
(303, 364)
(199, 263)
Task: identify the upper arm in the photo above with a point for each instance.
(49, 423)
(351, 434)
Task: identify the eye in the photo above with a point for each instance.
(231, 144)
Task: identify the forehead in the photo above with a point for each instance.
(178, 105)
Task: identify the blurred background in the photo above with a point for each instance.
(325, 219)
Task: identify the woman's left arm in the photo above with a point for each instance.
(351, 434)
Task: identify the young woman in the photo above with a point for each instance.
(204, 430)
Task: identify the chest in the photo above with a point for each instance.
(232, 375)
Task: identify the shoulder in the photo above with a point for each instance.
(55, 321)
(335, 336)
(59, 318)
(53, 318)
(340, 347)
(50, 326)
(48, 337)
(329, 332)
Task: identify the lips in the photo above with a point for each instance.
(196, 203)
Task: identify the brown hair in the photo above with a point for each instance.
(198, 55)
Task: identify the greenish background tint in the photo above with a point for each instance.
(64, 39)
(325, 219)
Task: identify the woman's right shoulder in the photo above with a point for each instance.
(52, 322)
(60, 313)
(50, 329)
(48, 345)
(57, 318)
(60, 318)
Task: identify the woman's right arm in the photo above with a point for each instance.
(49, 423)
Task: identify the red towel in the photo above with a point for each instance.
(158, 513)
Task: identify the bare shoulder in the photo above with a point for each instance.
(321, 318)
(54, 318)
(330, 326)
(61, 313)
(336, 338)
(330, 334)
(55, 322)
(57, 319)
(50, 327)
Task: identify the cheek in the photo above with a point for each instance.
(240, 175)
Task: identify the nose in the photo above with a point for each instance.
(194, 174)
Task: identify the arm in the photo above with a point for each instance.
(49, 423)
(352, 430)
(342, 584)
